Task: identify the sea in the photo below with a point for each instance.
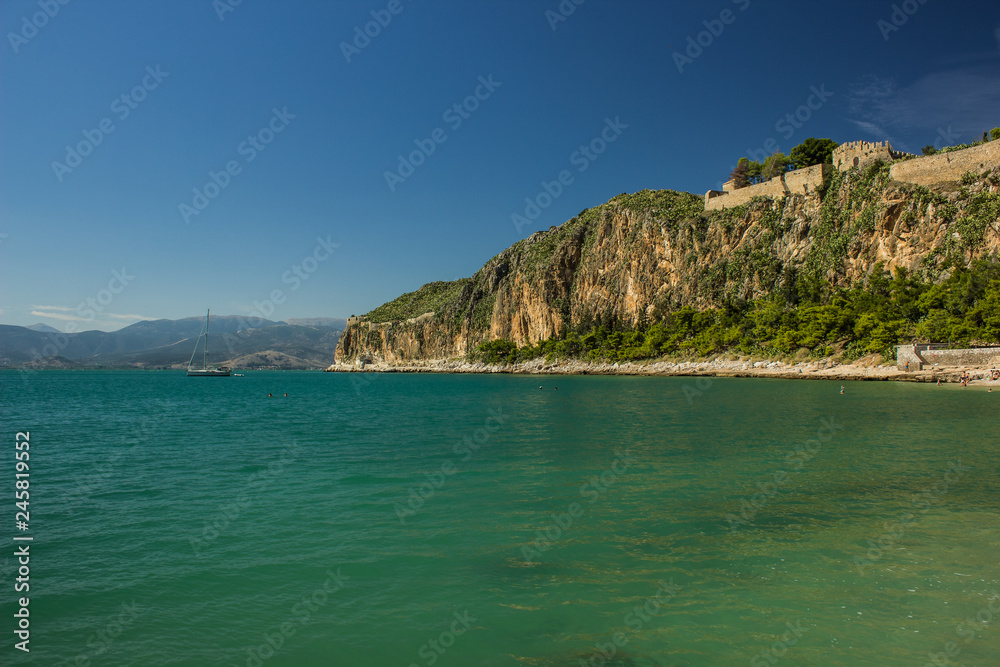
(498, 520)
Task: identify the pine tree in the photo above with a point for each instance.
(740, 176)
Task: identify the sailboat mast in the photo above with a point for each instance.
(204, 363)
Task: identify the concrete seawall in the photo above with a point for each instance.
(924, 359)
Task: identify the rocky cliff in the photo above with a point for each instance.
(641, 255)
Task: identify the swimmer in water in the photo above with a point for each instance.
(269, 396)
(841, 389)
(286, 394)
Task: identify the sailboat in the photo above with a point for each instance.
(205, 371)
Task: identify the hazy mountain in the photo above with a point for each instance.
(43, 327)
(170, 343)
(330, 322)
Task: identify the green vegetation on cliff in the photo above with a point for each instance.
(431, 297)
(803, 317)
(668, 206)
(849, 210)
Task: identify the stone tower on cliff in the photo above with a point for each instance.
(863, 153)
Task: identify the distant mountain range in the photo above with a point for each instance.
(295, 344)
(331, 322)
(43, 327)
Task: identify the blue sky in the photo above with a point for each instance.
(161, 158)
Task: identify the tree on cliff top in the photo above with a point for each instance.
(813, 151)
(740, 176)
(775, 164)
(756, 172)
(810, 152)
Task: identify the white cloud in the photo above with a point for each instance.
(59, 316)
(871, 128)
(61, 313)
(64, 309)
(866, 100)
(965, 100)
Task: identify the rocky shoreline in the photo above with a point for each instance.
(824, 369)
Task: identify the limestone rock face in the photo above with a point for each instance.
(640, 256)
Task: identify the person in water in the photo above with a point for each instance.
(841, 389)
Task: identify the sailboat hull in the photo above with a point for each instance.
(210, 372)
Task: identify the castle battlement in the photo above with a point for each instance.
(862, 153)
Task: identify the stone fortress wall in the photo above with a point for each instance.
(799, 182)
(806, 181)
(927, 171)
(947, 167)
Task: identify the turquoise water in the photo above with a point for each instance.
(191, 521)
